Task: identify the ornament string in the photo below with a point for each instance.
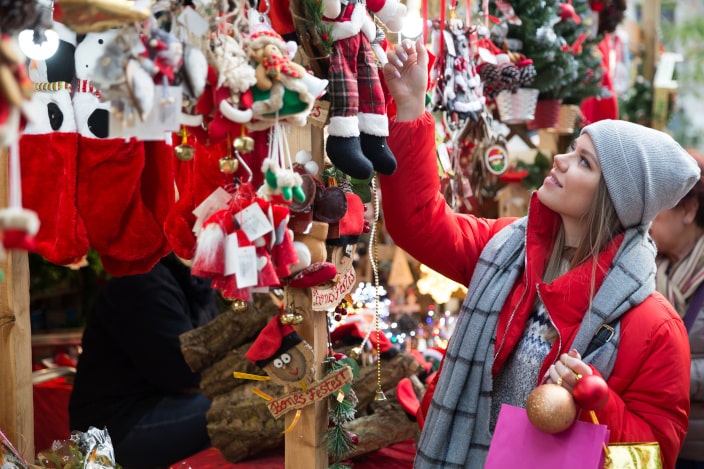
(374, 258)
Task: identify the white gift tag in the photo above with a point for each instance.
(444, 158)
(231, 247)
(246, 270)
(253, 221)
(219, 199)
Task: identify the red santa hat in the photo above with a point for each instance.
(273, 340)
(351, 332)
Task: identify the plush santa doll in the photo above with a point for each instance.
(358, 124)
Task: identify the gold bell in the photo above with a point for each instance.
(291, 318)
(238, 306)
(355, 353)
(380, 396)
(229, 165)
(243, 144)
(184, 152)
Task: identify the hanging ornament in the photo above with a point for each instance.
(590, 392)
(496, 158)
(567, 12)
(551, 408)
(184, 151)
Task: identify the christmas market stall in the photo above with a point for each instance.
(245, 137)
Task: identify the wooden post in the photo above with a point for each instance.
(650, 29)
(304, 444)
(16, 404)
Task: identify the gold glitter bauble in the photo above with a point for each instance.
(551, 408)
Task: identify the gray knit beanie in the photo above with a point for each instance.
(645, 170)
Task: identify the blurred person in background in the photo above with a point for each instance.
(679, 236)
(132, 377)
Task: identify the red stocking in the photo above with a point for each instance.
(158, 195)
(48, 163)
(120, 226)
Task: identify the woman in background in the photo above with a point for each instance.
(679, 236)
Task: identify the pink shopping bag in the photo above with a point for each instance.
(517, 443)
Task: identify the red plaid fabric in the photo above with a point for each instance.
(354, 79)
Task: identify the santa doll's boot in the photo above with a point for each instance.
(344, 148)
(373, 131)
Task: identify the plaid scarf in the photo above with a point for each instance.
(456, 431)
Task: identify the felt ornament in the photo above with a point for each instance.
(50, 142)
(284, 90)
(358, 126)
(282, 354)
(281, 181)
(197, 178)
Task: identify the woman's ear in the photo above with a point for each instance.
(690, 206)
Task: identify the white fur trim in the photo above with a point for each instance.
(233, 114)
(345, 29)
(392, 14)
(374, 124)
(190, 120)
(344, 126)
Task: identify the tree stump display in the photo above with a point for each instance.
(239, 423)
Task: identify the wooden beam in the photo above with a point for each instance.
(304, 444)
(16, 403)
(650, 29)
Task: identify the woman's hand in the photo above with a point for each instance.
(406, 75)
(564, 372)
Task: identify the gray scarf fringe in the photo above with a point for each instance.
(456, 432)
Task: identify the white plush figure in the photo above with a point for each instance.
(92, 115)
(52, 79)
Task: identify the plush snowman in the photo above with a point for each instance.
(52, 81)
(92, 114)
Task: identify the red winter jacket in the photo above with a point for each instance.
(649, 385)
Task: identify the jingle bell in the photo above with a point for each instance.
(356, 353)
(243, 144)
(229, 165)
(291, 318)
(184, 152)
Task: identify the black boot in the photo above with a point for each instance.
(346, 154)
(378, 152)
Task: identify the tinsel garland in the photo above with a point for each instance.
(342, 407)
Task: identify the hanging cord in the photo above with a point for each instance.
(374, 262)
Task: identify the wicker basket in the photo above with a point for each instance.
(518, 107)
(567, 119)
